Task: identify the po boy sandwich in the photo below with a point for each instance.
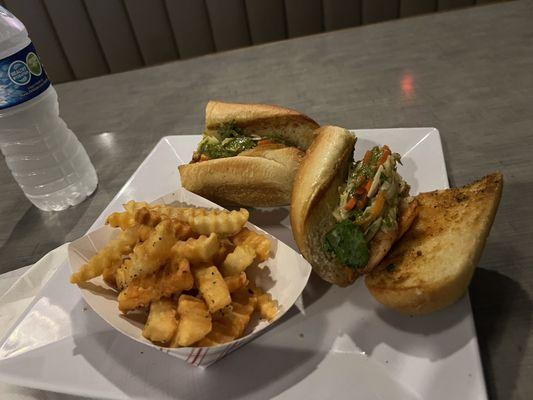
(249, 154)
(346, 215)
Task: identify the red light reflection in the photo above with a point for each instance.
(407, 85)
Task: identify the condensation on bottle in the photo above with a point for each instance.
(44, 156)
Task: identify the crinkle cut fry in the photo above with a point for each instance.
(148, 256)
(238, 260)
(267, 306)
(203, 221)
(182, 231)
(212, 287)
(260, 243)
(229, 325)
(223, 223)
(173, 278)
(138, 215)
(199, 250)
(236, 282)
(132, 206)
(108, 257)
(123, 220)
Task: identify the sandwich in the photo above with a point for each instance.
(248, 154)
(431, 267)
(418, 254)
(346, 214)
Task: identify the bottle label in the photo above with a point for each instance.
(22, 77)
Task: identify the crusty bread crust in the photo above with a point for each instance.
(260, 179)
(431, 266)
(264, 120)
(314, 197)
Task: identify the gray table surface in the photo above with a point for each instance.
(467, 73)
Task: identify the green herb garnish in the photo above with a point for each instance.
(229, 130)
(347, 241)
(213, 148)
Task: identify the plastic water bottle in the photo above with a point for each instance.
(44, 156)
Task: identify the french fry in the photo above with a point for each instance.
(110, 274)
(204, 222)
(178, 213)
(223, 223)
(123, 220)
(235, 282)
(132, 206)
(145, 216)
(197, 251)
(182, 231)
(229, 325)
(149, 256)
(237, 261)
(212, 287)
(144, 232)
(244, 296)
(135, 212)
(261, 244)
(226, 247)
(237, 319)
(173, 278)
(162, 324)
(194, 321)
(108, 257)
(268, 307)
(110, 271)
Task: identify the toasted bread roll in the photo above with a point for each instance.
(431, 266)
(263, 120)
(259, 176)
(314, 197)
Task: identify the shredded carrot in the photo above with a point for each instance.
(376, 210)
(385, 155)
(368, 185)
(360, 191)
(350, 204)
(368, 156)
(264, 141)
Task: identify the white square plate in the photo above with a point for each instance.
(336, 343)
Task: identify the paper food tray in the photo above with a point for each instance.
(284, 275)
